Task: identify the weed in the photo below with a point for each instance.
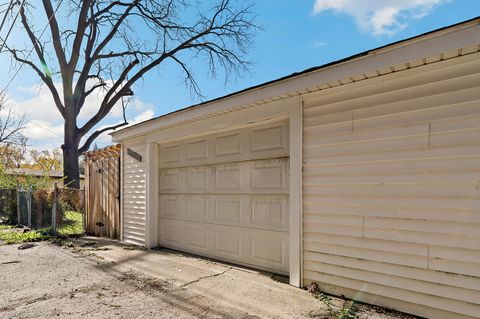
(347, 311)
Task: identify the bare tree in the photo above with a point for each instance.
(108, 46)
(12, 140)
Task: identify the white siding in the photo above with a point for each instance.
(134, 188)
(391, 197)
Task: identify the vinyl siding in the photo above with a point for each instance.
(134, 191)
(391, 195)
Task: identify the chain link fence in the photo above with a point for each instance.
(8, 206)
(69, 211)
(60, 210)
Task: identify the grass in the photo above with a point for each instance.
(9, 236)
(72, 225)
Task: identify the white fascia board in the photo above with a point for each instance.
(445, 40)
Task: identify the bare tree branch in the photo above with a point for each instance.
(11, 127)
(55, 33)
(40, 53)
(113, 44)
(97, 133)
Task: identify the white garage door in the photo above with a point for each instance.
(226, 196)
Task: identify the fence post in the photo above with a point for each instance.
(54, 208)
(84, 215)
(29, 207)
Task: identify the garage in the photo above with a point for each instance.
(360, 175)
(226, 196)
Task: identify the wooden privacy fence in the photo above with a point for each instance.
(102, 187)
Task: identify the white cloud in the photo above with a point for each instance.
(380, 17)
(145, 115)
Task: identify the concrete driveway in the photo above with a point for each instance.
(106, 279)
(250, 291)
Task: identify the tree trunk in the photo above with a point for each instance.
(71, 170)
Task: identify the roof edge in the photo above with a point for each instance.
(364, 54)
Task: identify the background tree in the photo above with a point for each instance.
(46, 160)
(12, 140)
(105, 45)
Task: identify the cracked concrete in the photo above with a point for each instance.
(258, 293)
(205, 277)
(247, 290)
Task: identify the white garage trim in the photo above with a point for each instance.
(152, 158)
(296, 183)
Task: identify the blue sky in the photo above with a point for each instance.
(296, 35)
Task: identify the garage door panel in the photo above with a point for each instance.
(227, 244)
(228, 177)
(265, 141)
(172, 154)
(227, 145)
(173, 180)
(173, 234)
(266, 251)
(196, 150)
(268, 212)
(268, 176)
(196, 238)
(228, 209)
(258, 248)
(198, 179)
(269, 138)
(197, 208)
(173, 206)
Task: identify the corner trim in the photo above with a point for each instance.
(151, 171)
(296, 187)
